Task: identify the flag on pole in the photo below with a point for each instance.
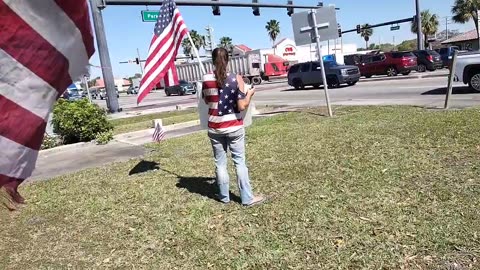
(159, 132)
(169, 32)
(44, 46)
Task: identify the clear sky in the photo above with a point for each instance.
(126, 32)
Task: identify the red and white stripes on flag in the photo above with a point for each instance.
(44, 46)
(158, 133)
(169, 32)
(171, 78)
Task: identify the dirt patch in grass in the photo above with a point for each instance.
(373, 188)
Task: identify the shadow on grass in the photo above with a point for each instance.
(144, 166)
(455, 91)
(204, 186)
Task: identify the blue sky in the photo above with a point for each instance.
(126, 32)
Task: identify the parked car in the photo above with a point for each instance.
(309, 74)
(428, 60)
(467, 69)
(132, 90)
(103, 93)
(181, 89)
(390, 64)
(447, 54)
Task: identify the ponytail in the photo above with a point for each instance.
(220, 61)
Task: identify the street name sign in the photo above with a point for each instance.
(149, 16)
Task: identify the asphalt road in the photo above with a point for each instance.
(429, 92)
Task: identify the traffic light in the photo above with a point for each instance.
(290, 9)
(359, 29)
(215, 9)
(256, 10)
(137, 61)
(339, 30)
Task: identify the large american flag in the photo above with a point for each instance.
(44, 46)
(169, 32)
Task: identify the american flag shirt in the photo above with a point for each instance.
(224, 116)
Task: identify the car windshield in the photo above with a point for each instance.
(183, 82)
(402, 54)
(434, 53)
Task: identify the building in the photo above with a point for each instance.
(240, 50)
(465, 41)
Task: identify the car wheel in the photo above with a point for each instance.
(405, 73)
(352, 83)
(421, 68)
(182, 93)
(333, 82)
(167, 93)
(368, 76)
(298, 84)
(317, 86)
(391, 72)
(474, 81)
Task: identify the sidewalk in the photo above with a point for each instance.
(73, 158)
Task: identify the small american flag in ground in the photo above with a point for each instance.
(169, 32)
(44, 46)
(158, 133)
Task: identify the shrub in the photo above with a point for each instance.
(104, 137)
(79, 121)
(50, 142)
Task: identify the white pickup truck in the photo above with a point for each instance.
(467, 69)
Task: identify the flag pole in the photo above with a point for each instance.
(195, 51)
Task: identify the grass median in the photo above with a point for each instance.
(141, 122)
(372, 188)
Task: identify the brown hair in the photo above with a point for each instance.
(220, 61)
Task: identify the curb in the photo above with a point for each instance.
(64, 147)
(403, 78)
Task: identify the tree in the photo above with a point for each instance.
(187, 47)
(226, 43)
(466, 10)
(198, 40)
(366, 33)
(407, 45)
(273, 30)
(429, 25)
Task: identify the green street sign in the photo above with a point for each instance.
(149, 16)
(394, 28)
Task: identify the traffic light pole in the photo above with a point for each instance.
(420, 44)
(112, 100)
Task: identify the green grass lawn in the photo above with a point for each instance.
(372, 188)
(141, 122)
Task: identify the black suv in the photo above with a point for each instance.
(310, 74)
(428, 60)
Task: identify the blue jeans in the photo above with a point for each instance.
(234, 141)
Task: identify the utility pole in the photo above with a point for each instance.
(139, 62)
(420, 44)
(446, 26)
(112, 100)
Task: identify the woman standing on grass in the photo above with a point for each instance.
(226, 96)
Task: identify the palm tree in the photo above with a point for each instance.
(187, 47)
(429, 25)
(466, 10)
(198, 40)
(227, 43)
(273, 29)
(366, 33)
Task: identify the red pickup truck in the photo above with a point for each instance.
(390, 64)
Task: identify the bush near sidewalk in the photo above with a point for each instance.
(372, 188)
(79, 121)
